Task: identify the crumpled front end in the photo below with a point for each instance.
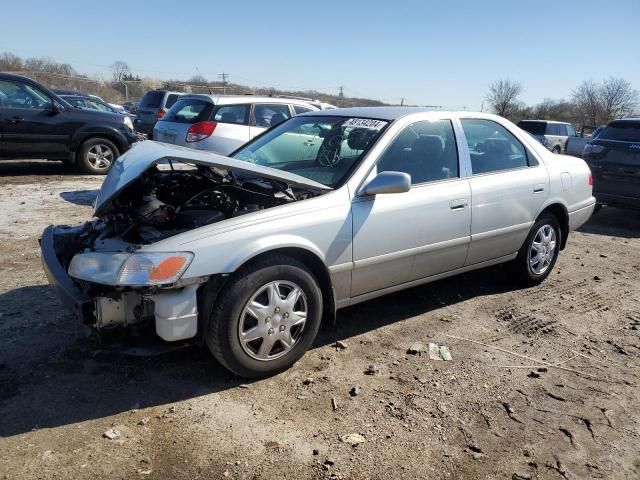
(173, 308)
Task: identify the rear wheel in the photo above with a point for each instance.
(96, 156)
(539, 253)
(266, 317)
(556, 149)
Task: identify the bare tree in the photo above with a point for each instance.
(602, 102)
(120, 70)
(10, 62)
(503, 97)
(198, 80)
(617, 98)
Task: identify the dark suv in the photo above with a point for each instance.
(37, 123)
(614, 159)
(152, 108)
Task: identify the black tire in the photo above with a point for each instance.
(223, 330)
(521, 268)
(89, 164)
(556, 150)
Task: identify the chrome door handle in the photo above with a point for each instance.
(458, 204)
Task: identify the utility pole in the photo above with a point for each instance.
(224, 77)
(340, 94)
(402, 102)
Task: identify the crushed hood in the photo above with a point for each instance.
(145, 155)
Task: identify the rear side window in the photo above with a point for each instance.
(152, 100)
(556, 129)
(300, 109)
(621, 131)
(189, 111)
(171, 99)
(238, 114)
(492, 147)
(22, 95)
(76, 102)
(270, 114)
(534, 128)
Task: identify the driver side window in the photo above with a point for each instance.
(21, 95)
(425, 150)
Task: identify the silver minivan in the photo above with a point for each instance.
(223, 123)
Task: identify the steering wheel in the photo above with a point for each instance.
(329, 153)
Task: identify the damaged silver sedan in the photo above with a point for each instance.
(248, 253)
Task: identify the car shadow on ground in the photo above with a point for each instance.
(18, 168)
(52, 373)
(80, 197)
(614, 222)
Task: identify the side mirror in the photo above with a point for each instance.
(56, 107)
(388, 182)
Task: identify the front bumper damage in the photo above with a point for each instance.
(174, 310)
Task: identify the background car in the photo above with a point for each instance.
(223, 123)
(153, 106)
(93, 103)
(614, 159)
(551, 134)
(37, 123)
(575, 145)
(131, 107)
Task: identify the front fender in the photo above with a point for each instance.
(211, 261)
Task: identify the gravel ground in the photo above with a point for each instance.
(487, 413)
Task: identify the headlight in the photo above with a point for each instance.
(128, 123)
(130, 269)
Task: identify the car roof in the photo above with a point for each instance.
(391, 113)
(546, 121)
(229, 99)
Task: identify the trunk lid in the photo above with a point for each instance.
(145, 155)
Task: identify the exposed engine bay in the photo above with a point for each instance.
(166, 200)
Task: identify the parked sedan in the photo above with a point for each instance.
(224, 122)
(248, 253)
(93, 103)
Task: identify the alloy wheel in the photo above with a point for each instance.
(100, 156)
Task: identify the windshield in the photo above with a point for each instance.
(534, 128)
(189, 110)
(323, 149)
(622, 131)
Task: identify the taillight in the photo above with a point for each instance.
(590, 180)
(160, 113)
(200, 131)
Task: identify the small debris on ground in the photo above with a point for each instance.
(439, 352)
(533, 375)
(354, 392)
(372, 369)
(334, 404)
(415, 349)
(352, 439)
(340, 345)
(308, 381)
(111, 434)
(144, 421)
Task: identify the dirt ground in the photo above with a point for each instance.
(486, 413)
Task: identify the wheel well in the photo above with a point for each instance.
(319, 270)
(560, 212)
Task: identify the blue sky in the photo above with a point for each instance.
(436, 53)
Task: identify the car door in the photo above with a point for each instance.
(408, 236)
(232, 127)
(32, 126)
(267, 115)
(508, 188)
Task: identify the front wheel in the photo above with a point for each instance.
(539, 253)
(96, 156)
(266, 317)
